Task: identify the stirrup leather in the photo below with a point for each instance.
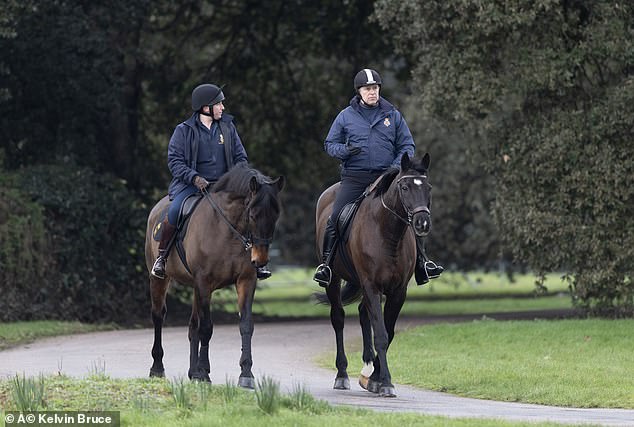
(323, 269)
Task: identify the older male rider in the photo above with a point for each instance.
(368, 137)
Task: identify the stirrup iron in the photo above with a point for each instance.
(323, 269)
(433, 269)
(156, 272)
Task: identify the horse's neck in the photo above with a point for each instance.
(391, 227)
(232, 207)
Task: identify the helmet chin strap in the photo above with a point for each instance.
(205, 114)
(362, 102)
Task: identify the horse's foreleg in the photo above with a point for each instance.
(368, 349)
(337, 318)
(158, 291)
(196, 329)
(205, 331)
(246, 292)
(381, 342)
(393, 304)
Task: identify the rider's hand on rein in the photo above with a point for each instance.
(201, 183)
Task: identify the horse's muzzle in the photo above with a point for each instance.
(259, 255)
(421, 223)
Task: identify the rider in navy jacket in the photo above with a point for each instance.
(382, 141)
(369, 137)
(201, 150)
(183, 150)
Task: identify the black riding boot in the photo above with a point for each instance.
(425, 268)
(167, 233)
(323, 273)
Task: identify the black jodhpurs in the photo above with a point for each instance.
(353, 183)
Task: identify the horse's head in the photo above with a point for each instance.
(263, 212)
(415, 193)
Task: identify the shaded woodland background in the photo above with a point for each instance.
(526, 108)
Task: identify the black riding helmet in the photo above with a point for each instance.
(366, 77)
(206, 94)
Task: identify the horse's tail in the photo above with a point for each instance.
(350, 292)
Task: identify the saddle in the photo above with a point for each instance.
(185, 212)
(348, 212)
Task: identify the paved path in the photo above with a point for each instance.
(283, 351)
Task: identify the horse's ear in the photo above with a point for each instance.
(254, 185)
(426, 161)
(405, 162)
(279, 181)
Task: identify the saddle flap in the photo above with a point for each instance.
(346, 215)
(187, 208)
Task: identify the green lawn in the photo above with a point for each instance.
(297, 282)
(580, 363)
(288, 293)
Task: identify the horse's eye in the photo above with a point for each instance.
(404, 187)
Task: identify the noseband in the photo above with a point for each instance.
(410, 214)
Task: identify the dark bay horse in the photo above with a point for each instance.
(228, 234)
(381, 248)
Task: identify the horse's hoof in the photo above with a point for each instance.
(157, 373)
(200, 376)
(246, 382)
(373, 386)
(387, 391)
(363, 382)
(342, 384)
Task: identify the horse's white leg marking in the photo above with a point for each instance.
(367, 369)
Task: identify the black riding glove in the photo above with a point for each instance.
(352, 149)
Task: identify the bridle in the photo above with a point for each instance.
(410, 213)
(247, 241)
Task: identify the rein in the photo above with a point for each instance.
(410, 214)
(247, 243)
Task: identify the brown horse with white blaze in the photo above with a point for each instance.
(377, 259)
(228, 236)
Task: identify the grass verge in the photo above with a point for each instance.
(152, 402)
(579, 363)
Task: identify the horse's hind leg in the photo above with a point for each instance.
(368, 349)
(246, 291)
(337, 318)
(158, 292)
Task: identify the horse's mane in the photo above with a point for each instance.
(237, 179)
(389, 175)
